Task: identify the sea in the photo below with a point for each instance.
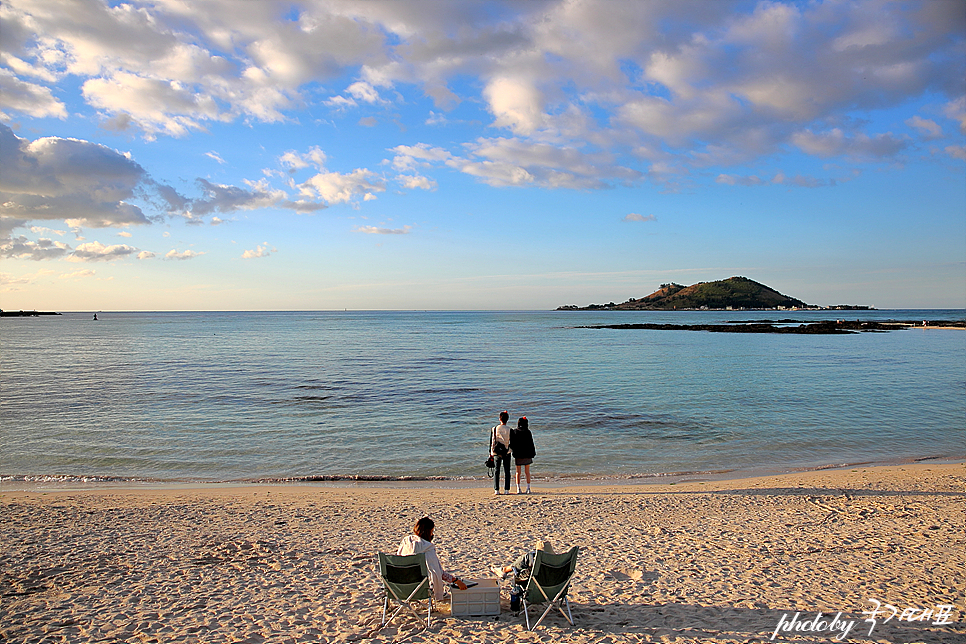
(215, 397)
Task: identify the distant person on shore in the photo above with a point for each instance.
(500, 451)
(421, 540)
(521, 445)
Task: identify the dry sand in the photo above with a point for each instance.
(713, 562)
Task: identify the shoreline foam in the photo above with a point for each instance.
(29, 482)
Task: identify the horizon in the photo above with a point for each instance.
(478, 155)
(554, 310)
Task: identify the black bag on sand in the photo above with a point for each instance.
(490, 464)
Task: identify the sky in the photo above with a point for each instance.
(457, 155)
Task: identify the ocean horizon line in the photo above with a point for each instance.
(426, 310)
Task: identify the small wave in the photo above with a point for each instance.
(352, 477)
(73, 478)
(332, 478)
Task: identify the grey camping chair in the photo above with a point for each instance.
(549, 582)
(405, 578)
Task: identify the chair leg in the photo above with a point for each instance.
(554, 602)
(566, 615)
(542, 616)
(405, 605)
(416, 615)
(526, 614)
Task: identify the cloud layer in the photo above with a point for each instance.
(719, 82)
(579, 94)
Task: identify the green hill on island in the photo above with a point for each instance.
(734, 293)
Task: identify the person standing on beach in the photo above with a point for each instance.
(500, 451)
(521, 444)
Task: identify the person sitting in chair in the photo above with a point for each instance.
(523, 565)
(421, 541)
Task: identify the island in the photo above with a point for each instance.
(732, 294)
(25, 314)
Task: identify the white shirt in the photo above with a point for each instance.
(502, 434)
(413, 545)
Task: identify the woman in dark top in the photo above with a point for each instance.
(521, 444)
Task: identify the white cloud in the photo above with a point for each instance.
(505, 162)
(292, 160)
(188, 254)
(259, 251)
(34, 100)
(956, 151)
(705, 83)
(798, 180)
(98, 252)
(636, 217)
(409, 157)
(415, 181)
(343, 188)
(956, 110)
(836, 142)
(364, 92)
(146, 254)
(77, 275)
(23, 248)
(927, 128)
(735, 180)
(42, 230)
(157, 106)
(375, 230)
(59, 179)
(340, 102)
(225, 198)
(516, 104)
(124, 233)
(215, 156)
(8, 280)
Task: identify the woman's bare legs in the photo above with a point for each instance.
(527, 468)
(518, 478)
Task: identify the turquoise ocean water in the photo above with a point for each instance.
(246, 396)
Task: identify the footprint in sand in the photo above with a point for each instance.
(626, 574)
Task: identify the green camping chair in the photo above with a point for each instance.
(405, 579)
(549, 582)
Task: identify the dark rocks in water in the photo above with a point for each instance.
(829, 327)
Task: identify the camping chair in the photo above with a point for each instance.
(405, 579)
(549, 582)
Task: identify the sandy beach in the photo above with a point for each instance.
(696, 561)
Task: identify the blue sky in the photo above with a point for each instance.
(224, 155)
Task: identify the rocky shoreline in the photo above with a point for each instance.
(828, 327)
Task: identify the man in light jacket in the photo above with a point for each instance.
(421, 541)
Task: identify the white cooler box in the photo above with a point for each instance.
(482, 599)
